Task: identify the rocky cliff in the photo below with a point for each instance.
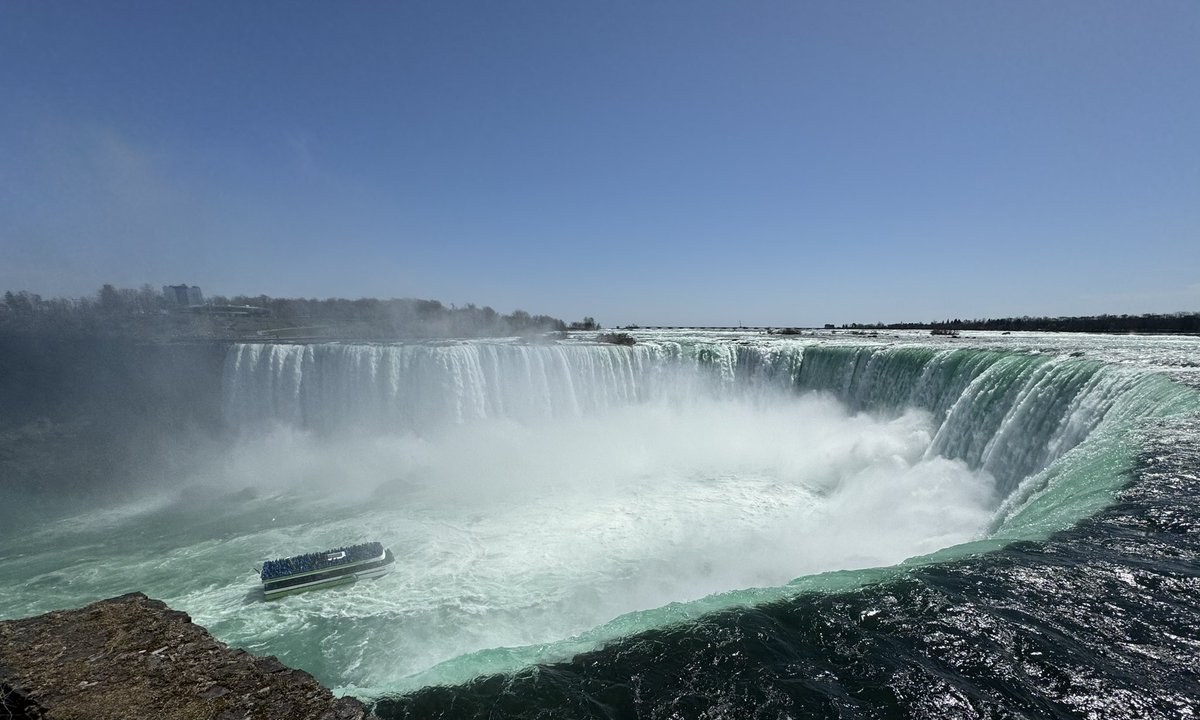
(132, 657)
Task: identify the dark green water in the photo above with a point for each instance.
(694, 527)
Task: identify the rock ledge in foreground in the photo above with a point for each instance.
(131, 657)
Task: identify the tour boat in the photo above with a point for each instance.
(313, 571)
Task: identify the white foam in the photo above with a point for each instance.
(514, 534)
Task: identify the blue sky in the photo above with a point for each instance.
(640, 162)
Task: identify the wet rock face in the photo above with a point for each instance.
(131, 657)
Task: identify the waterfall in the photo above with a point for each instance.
(1009, 414)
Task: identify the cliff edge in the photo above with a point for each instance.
(132, 657)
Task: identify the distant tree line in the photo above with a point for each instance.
(110, 311)
(1181, 322)
(588, 323)
(146, 313)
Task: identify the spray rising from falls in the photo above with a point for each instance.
(1009, 415)
(546, 498)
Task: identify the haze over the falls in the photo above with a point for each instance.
(544, 500)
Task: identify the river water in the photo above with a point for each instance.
(701, 525)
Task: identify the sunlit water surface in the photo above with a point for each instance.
(597, 503)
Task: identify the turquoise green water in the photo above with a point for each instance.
(558, 498)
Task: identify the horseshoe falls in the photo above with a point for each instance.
(698, 525)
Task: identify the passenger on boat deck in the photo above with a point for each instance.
(315, 561)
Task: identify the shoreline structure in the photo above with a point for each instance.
(133, 657)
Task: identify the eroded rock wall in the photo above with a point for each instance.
(132, 657)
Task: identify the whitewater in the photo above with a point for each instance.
(599, 530)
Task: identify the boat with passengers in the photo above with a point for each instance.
(329, 568)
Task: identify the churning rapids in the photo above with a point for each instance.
(700, 525)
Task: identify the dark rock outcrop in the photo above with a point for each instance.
(131, 657)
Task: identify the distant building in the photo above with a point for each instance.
(183, 295)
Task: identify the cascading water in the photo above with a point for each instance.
(1009, 415)
(546, 500)
(952, 442)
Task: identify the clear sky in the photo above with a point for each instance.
(650, 162)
